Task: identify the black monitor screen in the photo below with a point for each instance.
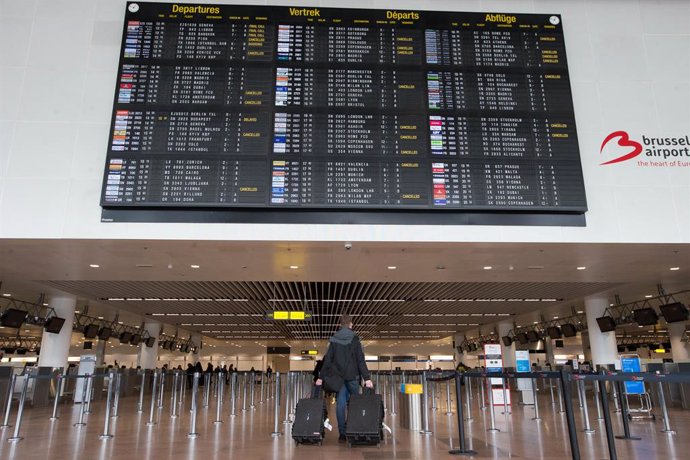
(13, 318)
(674, 312)
(522, 338)
(606, 324)
(91, 331)
(645, 316)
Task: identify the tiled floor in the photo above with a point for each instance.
(248, 436)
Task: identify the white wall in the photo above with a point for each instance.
(629, 64)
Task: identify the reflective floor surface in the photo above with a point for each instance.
(248, 436)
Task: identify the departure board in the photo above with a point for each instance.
(323, 108)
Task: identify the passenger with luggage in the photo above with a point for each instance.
(343, 367)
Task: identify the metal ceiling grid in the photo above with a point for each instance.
(222, 309)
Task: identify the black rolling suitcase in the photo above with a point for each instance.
(310, 415)
(365, 418)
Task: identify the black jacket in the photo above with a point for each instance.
(345, 350)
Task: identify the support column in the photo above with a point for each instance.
(548, 349)
(508, 352)
(148, 356)
(100, 352)
(196, 357)
(459, 355)
(680, 351)
(603, 344)
(586, 350)
(55, 347)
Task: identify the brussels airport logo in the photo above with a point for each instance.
(647, 151)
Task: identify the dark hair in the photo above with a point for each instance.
(345, 320)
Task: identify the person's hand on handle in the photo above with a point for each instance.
(318, 382)
(369, 384)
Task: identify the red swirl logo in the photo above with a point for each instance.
(623, 141)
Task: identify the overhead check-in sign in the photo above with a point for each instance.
(284, 315)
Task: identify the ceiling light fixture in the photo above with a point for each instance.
(94, 266)
(294, 267)
(7, 295)
(392, 267)
(648, 296)
(674, 269)
(488, 267)
(582, 268)
(195, 266)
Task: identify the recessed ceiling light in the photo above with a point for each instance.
(555, 317)
(648, 296)
(580, 311)
(582, 268)
(294, 267)
(7, 295)
(45, 304)
(195, 266)
(95, 266)
(392, 267)
(674, 269)
(100, 317)
(488, 267)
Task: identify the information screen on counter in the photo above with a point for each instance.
(323, 108)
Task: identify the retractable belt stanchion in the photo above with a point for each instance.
(506, 407)
(624, 413)
(233, 394)
(140, 406)
(425, 400)
(219, 399)
(662, 402)
(492, 415)
(154, 387)
(585, 411)
(116, 406)
(8, 402)
(565, 383)
(82, 406)
(89, 394)
(560, 398)
(482, 385)
(433, 395)
(263, 384)
(20, 411)
(468, 397)
(173, 396)
(595, 386)
(160, 391)
(536, 401)
(604, 397)
(276, 407)
(288, 382)
(207, 388)
(614, 391)
(463, 450)
(394, 394)
(252, 384)
(192, 419)
(244, 392)
(449, 409)
(106, 424)
(553, 401)
(58, 392)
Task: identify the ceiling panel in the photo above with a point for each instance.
(382, 310)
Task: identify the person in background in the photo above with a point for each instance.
(269, 372)
(190, 374)
(345, 352)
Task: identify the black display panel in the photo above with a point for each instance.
(255, 107)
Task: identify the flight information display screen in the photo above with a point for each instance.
(293, 107)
